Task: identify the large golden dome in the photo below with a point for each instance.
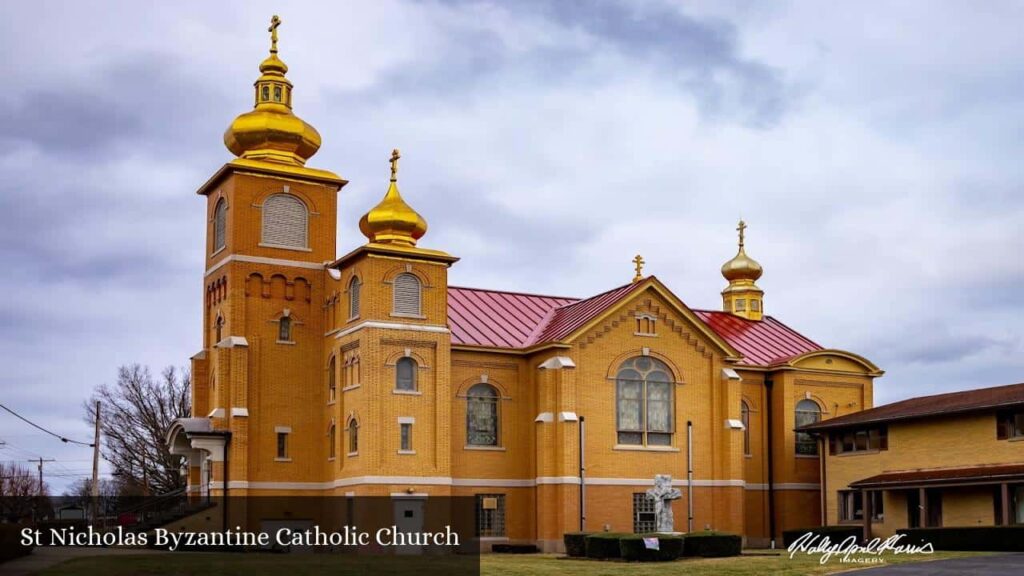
(392, 221)
(741, 266)
(271, 131)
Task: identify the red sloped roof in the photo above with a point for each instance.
(495, 318)
(566, 319)
(501, 319)
(762, 343)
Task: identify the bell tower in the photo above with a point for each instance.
(742, 296)
(271, 227)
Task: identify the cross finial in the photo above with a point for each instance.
(742, 230)
(275, 21)
(394, 164)
(638, 260)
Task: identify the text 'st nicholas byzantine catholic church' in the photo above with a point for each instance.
(369, 375)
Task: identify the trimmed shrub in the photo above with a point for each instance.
(835, 533)
(712, 544)
(575, 544)
(968, 538)
(514, 549)
(632, 548)
(10, 542)
(603, 545)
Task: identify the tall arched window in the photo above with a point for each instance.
(218, 333)
(482, 415)
(644, 390)
(745, 418)
(220, 222)
(332, 437)
(353, 296)
(353, 437)
(405, 374)
(285, 221)
(407, 294)
(332, 380)
(807, 412)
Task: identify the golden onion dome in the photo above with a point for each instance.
(392, 221)
(741, 266)
(271, 131)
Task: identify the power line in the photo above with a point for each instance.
(38, 427)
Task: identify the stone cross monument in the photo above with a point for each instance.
(663, 494)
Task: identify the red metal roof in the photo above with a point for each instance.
(762, 343)
(500, 319)
(924, 406)
(942, 476)
(495, 318)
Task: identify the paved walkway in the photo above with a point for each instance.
(44, 557)
(1002, 564)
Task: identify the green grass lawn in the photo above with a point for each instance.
(199, 564)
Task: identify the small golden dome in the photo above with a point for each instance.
(393, 221)
(742, 267)
(271, 131)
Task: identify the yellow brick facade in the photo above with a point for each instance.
(251, 388)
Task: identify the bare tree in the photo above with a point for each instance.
(19, 488)
(136, 414)
(79, 493)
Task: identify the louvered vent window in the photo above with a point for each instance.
(353, 297)
(220, 221)
(284, 221)
(407, 294)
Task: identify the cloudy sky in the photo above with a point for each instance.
(875, 153)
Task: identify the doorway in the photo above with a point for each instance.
(409, 519)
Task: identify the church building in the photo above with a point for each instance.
(369, 375)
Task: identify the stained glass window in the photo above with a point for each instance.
(482, 415)
(644, 390)
(807, 412)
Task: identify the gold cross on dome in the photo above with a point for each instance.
(275, 21)
(394, 164)
(742, 230)
(639, 262)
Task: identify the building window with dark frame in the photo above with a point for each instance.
(354, 287)
(284, 329)
(405, 436)
(332, 437)
(282, 445)
(860, 440)
(851, 506)
(807, 412)
(405, 374)
(332, 380)
(1010, 425)
(877, 505)
(490, 515)
(644, 402)
(644, 520)
(482, 419)
(220, 219)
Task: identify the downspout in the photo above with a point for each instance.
(689, 476)
(771, 461)
(583, 484)
(227, 468)
(822, 446)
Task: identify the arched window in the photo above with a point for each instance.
(482, 415)
(219, 329)
(745, 418)
(644, 390)
(353, 296)
(285, 221)
(332, 434)
(353, 437)
(405, 374)
(407, 294)
(807, 412)
(332, 380)
(220, 221)
(284, 329)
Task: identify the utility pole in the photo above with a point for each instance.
(96, 466)
(40, 462)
